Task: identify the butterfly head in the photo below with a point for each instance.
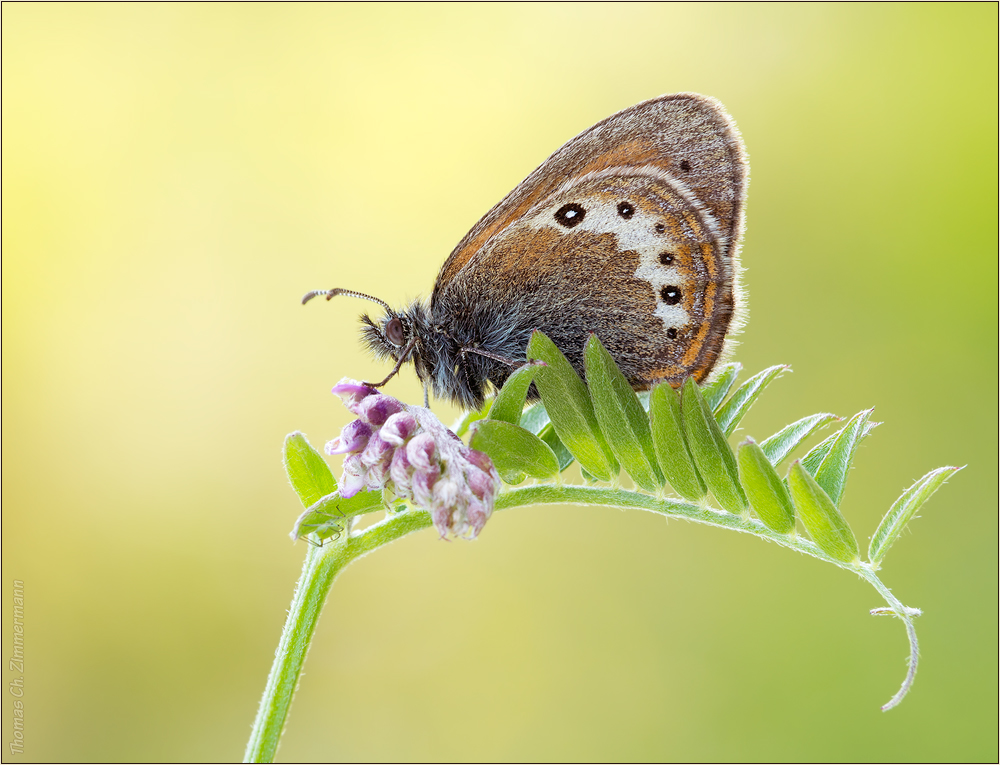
(396, 334)
(399, 336)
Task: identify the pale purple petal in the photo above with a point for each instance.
(399, 428)
(400, 470)
(421, 450)
(480, 459)
(442, 519)
(353, 438)
(423, 485)
(376, 409)
(351, 392)
(446, 492)
(353, 464)
(376, 452)
(477, 514)
(480, 482)
(377, 476)
(350, 485)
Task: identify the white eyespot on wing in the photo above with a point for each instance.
(636, 232)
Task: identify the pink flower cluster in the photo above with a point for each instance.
(406, 450)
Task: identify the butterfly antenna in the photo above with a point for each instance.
(330, 294)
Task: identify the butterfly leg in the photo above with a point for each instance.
(402, 359)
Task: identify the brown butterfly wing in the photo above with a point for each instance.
(689, 136)
(625, 252)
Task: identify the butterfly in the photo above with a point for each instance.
(631, 231)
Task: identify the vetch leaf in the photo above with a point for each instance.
(671, 446)
(781, 444)
(712, 456)
(820, 516)
(307, 471)
(621, 417)
(570, 408)
(764, 488)
(509, 401)
(715, 391)
(831, 473)
(514, 450)
(730, 413)
(902, 511)
(815, 456)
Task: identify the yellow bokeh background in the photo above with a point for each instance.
(176, 176)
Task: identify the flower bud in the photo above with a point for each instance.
(406, 450)
(354, 437)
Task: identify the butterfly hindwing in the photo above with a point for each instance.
(620, 252)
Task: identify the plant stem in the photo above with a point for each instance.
(324, 564)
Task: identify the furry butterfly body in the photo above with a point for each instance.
(631, 231)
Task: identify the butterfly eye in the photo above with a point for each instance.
(671, 295)
(394, 331)
(626, 210)
(570, 215)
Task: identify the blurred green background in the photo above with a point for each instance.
(175, 177)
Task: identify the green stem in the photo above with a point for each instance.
(321, 568)
(323, 565)
(547, 494)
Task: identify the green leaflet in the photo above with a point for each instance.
(509, 401)
(831, 472)
(815, 456)
(712, 455)
(766, 492)
(548, 435)
(514, 450)
(715, 391)
(620, 415)
(902, 511)
(781, 444)
(536, 420)
(730, 413)
(307, 471)
(671, 446)
(820, 516)
(569, 406)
